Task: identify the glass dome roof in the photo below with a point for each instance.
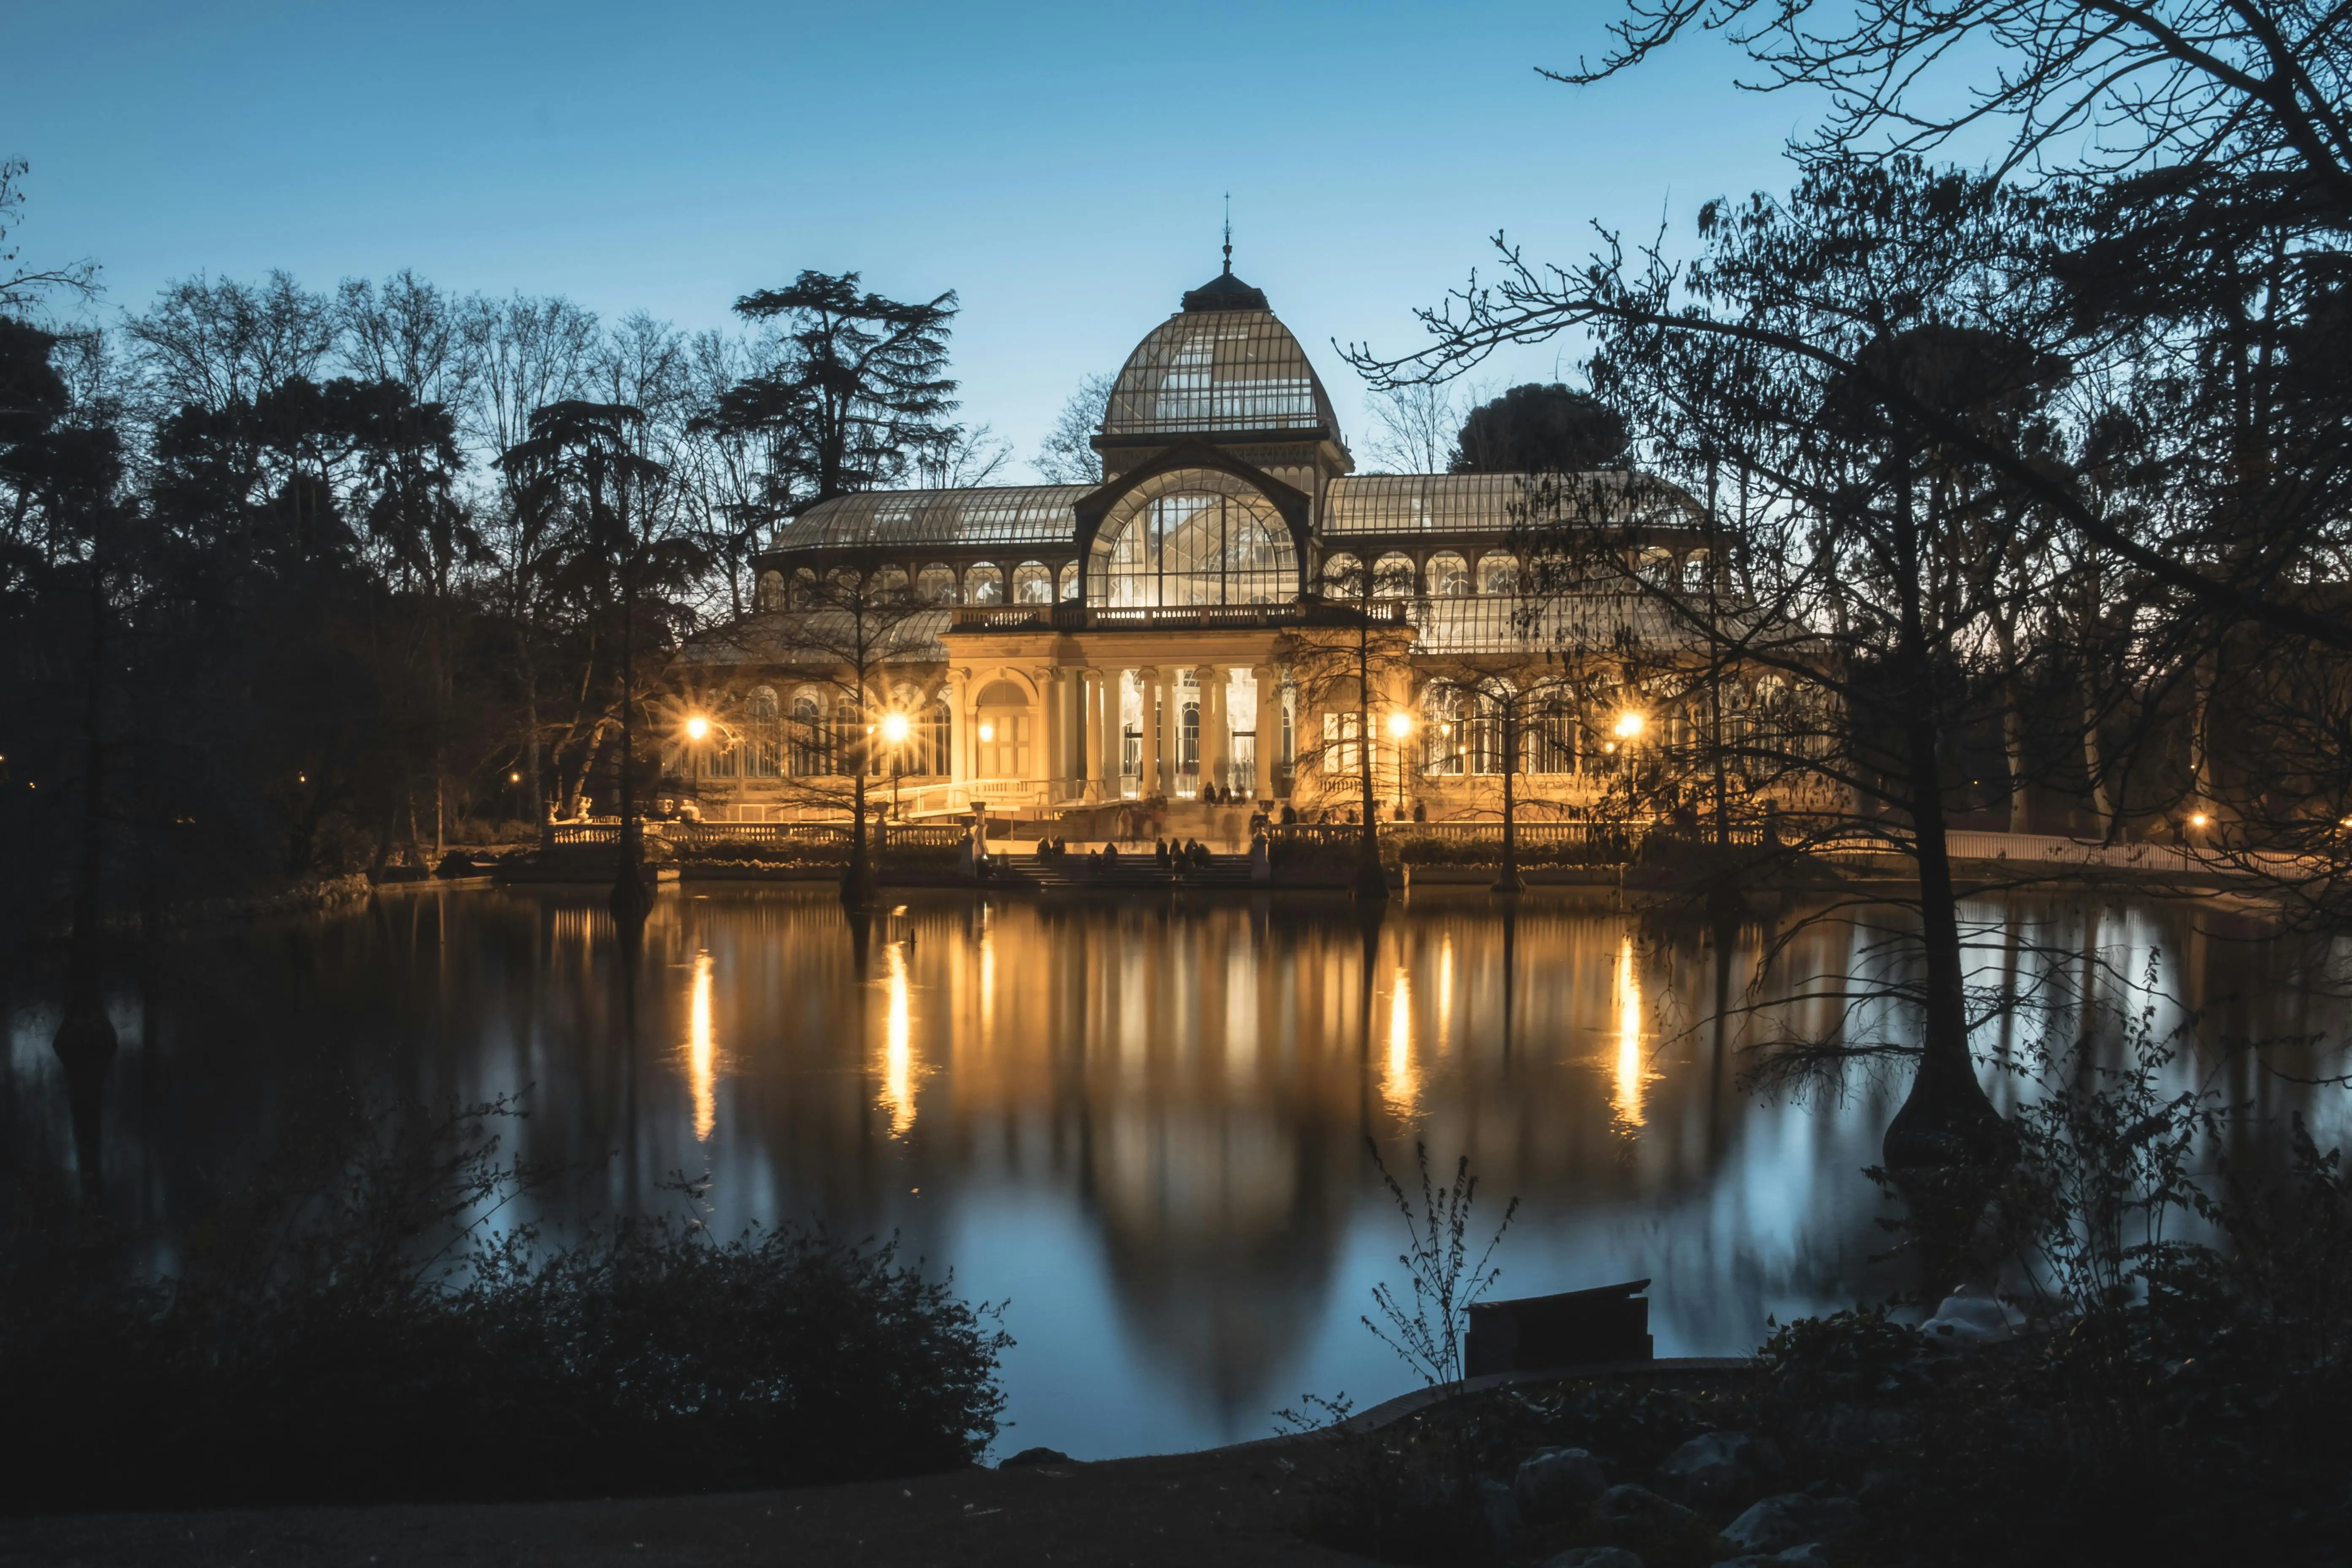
(1221, 365)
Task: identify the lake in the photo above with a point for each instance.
(1142, 1126)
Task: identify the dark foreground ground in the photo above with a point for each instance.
(1235, 1507)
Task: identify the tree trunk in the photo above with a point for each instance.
(629, 900)
(2013, 740)
(2094, 759)
(1511, 882)
(1947, 1144)
(1372, 881)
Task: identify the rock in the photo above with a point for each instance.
(1630, 1502)
(1499, 1508)
(1806, 1556)
(1792, 1519)
(1034, 1456)
(1595, 1557)
(1716, 1470)
(1965, 1318)
(1554, 1482)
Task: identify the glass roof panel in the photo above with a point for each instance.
(995, 514)
(1489, 504)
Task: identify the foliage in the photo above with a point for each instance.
(1539, 429)
(1425, 1330)
(350, 1327)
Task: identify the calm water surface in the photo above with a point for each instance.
(1141, 1127)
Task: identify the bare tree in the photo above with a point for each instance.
(1349, 659)
(22, 289)
(529, 354)
(1067, 455)
(869, 646)
(1414, 427)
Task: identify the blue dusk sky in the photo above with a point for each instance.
(1062, 167)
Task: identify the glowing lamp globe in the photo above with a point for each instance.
(1399, 725)
(697, 727)
(894, 728)
(1629, 725)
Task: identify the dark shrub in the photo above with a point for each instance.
(362, 1338)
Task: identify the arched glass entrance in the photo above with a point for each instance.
(1193, 537)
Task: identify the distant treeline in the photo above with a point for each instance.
(296, 583)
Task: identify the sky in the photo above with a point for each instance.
(1063, 168)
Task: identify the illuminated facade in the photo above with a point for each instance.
(1179, 628)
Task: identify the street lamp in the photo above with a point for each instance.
(1629, 726)
(697, 727)
(1399, 726)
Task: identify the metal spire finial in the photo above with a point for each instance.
(1229, 234)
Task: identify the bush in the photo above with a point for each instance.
(361, 1337)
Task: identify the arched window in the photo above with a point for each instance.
(983, 584)
(1449, 576)
(891, 584)
(770, 595)
(1070, 580)
(852, 740)
(808, 737)
(721, 756)
(1343, 577)
(928, 749)
(936, 584)
(1032, 584)
(1499, 573)
(1552, 739)
(1441, 730)
(803, 589)
(1695, 572)
(1393, 576)
(1193, 536)
(1489, 738)
(760, 760)
(1001, 716)
(1656, 567)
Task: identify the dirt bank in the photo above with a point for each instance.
(1233, 1507)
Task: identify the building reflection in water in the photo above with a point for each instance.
(1143, 1124)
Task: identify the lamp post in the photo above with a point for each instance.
(1399, 727)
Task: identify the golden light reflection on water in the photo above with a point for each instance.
(1401, 1086)
(1446, 996)
(897, 1048)
(702, 1052)
(1626, 1000)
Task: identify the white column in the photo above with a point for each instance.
(1046, 733)
(1214, 748)
(1270, 729)
(959, 731)
(1105, 686)
(1147, 680)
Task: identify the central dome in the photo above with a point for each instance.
(1223, 365)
